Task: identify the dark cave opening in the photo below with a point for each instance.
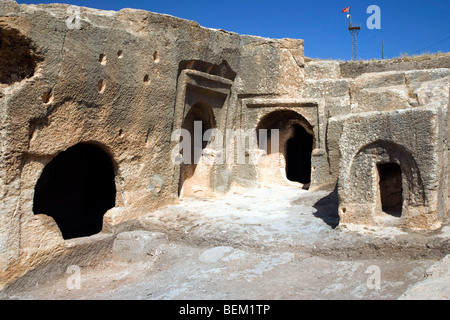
(76, 188)
(298, 156)
(391, 190)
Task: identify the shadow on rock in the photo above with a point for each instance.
(327, 209)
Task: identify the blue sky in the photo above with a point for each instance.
(407, 26)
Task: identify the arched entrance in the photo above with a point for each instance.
(194, 176)
(296, 142)
(76, 188)
(298, 155)
(391, 189)
(382, 184)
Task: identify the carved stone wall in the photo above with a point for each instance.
(125, 81)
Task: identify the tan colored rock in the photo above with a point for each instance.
(90, 102)
(138, 246)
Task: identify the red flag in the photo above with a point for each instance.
(346, 9)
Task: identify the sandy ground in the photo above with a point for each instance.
(279, 243)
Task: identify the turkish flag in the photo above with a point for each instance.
(346, 9)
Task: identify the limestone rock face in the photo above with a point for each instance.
(122, 81)
(119, 86)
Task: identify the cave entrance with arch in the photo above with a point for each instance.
(195, 175)
(390, 188)
(291, 162)
(76, 188)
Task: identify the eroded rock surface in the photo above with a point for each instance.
(122, 83)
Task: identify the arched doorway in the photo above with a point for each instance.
(76, 188)
(391, 189)
(298, 155)
(382, 184)
(194, 176)
(295, 145)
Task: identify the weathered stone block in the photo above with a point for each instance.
(410, 139)
(322, 70)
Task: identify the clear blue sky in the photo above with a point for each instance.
(407, 26)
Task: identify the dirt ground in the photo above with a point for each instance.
(277, 243)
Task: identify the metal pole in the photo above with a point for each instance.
(382, 50)
(354, 45)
